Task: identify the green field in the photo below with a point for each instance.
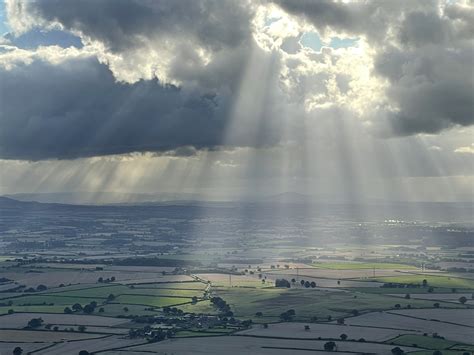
(152, 301)
(308, 303)
(359, 265)
(33, 309)
(44, 299)
(422, 342)
(191, 285)
(435, 281)
(117, 290)
(204, 307)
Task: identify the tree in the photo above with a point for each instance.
(84, 352)
(17, 351)
(41, 288)
(302, 282)
(407, 296)
(343, 336)
(76, 307)
(307, 284)
(125, 309)
(397, 351)
(425, 283)
(100, 279)
(313, 284)
(437, 352)
(110, 297)
(330, 346)
(101, 310)
(282, 283)
(67, 310)
(88, 308)
(436, 305)
(35, 322)
(259, 314)
(397, 306)
(462, 300)
(81, 328)
(340, 321)
(112, 278)
(11, 311)
(306, 327)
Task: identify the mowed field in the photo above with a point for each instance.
(20, 320)
(54, 277)
(352, 265)
(455, 316)
(236, 345)
(325, 331)
(433, 280)
(91, 345)
(32, 336)
(408, 324)
(307, 302)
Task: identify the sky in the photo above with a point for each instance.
(338, 100)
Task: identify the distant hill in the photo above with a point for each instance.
(101, 197)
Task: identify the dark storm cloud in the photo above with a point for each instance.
(124, 24)
(76, 109)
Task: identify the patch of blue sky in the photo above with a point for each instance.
(36, 37)
(3, 18)
(337, 42)
(313, 41)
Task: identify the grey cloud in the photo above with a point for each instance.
(76, 109)
(432, 88)
(124, 24)
(425, 54)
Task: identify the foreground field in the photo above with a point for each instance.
(242, 344)
(408, 324)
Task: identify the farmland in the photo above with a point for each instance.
(226, 290)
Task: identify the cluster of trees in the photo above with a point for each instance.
(308, 284)
(222, 306)
(288, 315)
(87, 309)
(282, 283)
(173, 311)
(107, 280)
(39, 288)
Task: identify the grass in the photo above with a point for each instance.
(426, 342)
(307, 303)
(396, 290)
(360, 265)
(435, 281)
(188, 334)
(430, 352)
(44, 299)
(152, 301)
(204, 307)
(33, 309)
(194, 285)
